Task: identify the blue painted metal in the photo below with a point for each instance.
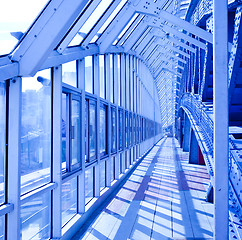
(202, 124)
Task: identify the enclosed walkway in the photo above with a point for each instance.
(162, 199)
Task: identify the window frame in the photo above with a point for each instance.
(105, 105)
(90, 160)
(71, 95)
(113, 108)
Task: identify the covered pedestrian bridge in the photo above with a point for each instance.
(120, 119)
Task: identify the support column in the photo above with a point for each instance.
(109, 137)
(97, 93)
(220, 83)
(194, 149)
(14, 154)
(81, 177)
(187, 134)
(57, 151)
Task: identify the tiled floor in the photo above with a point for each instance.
(163, 199)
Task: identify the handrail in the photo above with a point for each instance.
(200, 114)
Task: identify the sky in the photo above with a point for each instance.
(16, 15)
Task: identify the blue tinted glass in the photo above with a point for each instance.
(103, 130)
(88, 74)
(69, 200)
(89, 184)
(35, 218)
(2, 139)
(36, 131)
(69, 73)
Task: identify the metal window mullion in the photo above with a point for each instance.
(57, 152)
(14, 156)
(96, 85)
(81, 177)
(116, 97)
(108, 98)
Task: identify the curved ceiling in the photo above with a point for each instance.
(154, 31)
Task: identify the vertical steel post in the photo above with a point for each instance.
(97, 93)
(57, 151)
(220, 83)
(81, 177)
(14, 155)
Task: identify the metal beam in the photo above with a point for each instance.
(220, 83)
(77, 26)
(45, 34)
(199, 32)
(100, 23)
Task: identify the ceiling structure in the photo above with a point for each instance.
(154, 31)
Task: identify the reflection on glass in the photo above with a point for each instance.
(88, 74)
(69, 73)
(119, 81)
(75, 134)
(134, 127)
(92, 129)
(102, 76)
(103, 130)
(126, 129)
(86, 130)
(2, 138)
(89, 184)
(64, 131)
(35, 218)
(113, 130)
(130, 129)
(36, 131)
(111, 79)
(112, 16)
(120, 163)
(112, 168)
(2, 227)
(120, 113)
(102, 175)
(69, 200)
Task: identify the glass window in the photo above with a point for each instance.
(103, 130)
(111, 79)
(75, 133)
(69, 200)
(112, 168)
(64, 132)
(2, 227)
(119, 82)
(102, 175)
(113, 129)
(71, 135)
(134, 128)
(36, 217)
(2, 141)
(126, 129)
(120, 163)
(112, 16)
(89, 74)
(69, 73)
(120, 113)
(89, 184)
(36, 131)
(90, 22)
(86, 128)
(130, 129)
(92, 129)
(102, 76)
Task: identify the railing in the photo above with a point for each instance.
(202, 8)
(199, 114)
